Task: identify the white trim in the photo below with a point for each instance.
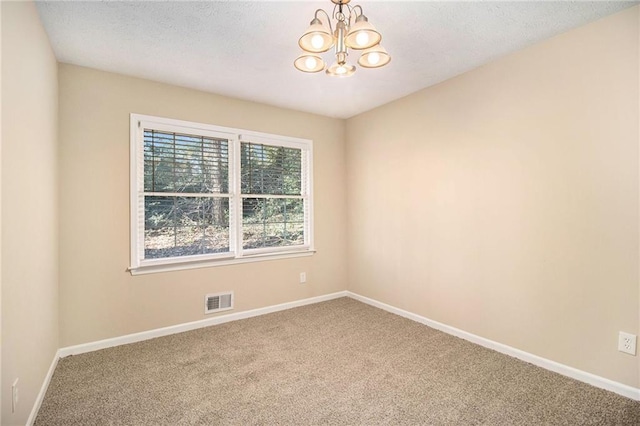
(185, 259)
(133, 190)
(296, 197)
(214, 128)
(308, 187)
(234, 137)
(211, 132)
(265, 251)
(168, 267)
(180, 328)
(556, 367)
(260, 139)
(188, 194)
(583, 376)
(43, 389)
(235, 204)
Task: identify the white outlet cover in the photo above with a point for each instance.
(627, 343)
(303, 277)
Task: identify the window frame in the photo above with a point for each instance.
(235, 137)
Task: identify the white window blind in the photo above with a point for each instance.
(272, 197)
(206, 195)
(186, 194)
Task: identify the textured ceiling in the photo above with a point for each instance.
(246, 49)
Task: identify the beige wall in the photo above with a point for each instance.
(1, 383)
(504, 202)
(29, 207)
(98, 298)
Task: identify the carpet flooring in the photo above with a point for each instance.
(339, 362)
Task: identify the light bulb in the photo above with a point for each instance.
(341, 70)
(362, 38)
(310, 62)
(373, 58)
(317, 41)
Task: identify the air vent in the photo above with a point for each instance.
(218, 302)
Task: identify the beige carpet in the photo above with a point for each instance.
(339, 363)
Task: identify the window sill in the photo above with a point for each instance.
(179, 266)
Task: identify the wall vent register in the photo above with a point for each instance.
(218, 302)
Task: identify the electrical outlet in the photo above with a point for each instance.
(303, 277)
(14, 396)
(627, 343)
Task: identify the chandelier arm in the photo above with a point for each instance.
(350, 9)
(353, 14)
(335, 14)
(328, 18)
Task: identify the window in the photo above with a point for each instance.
(205, 195)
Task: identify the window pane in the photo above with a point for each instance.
(180, 226)
(272, 222)
(269, 169)
(175, 162)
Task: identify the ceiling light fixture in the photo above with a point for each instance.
(352, 31)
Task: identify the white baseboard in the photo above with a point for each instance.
(583, 376)
(43, 389)
(565, 370)
(165, 331)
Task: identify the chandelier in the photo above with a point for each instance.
(352, 31)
